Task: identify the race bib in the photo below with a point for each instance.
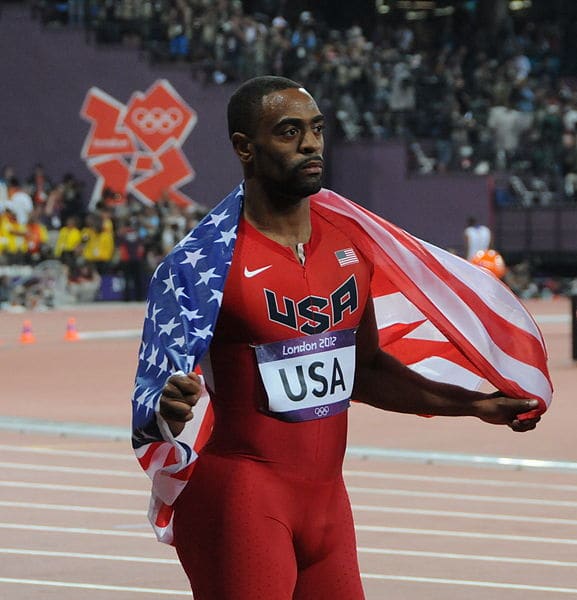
(309, 377)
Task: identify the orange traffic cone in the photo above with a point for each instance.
(71, 334)
(27, 337)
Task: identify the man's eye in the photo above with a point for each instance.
(319, 128)
(291, 132)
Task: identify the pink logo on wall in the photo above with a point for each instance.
(137, 148)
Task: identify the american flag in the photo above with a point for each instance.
(346, 257)
(442, 316)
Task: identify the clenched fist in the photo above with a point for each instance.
(179, 395)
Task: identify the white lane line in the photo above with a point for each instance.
(472, 557)
(351, 489)
(58, 487)
(365, 528)
(93, 586)
(454, 458)
(459, 480)
(136, 474)
(450, 514)
(468, 583)
(361, 550)
(426, 457)
(467, 497)
(74, 508)
(160, 591)
(60, 452)
(89, 430)
(356, 508)
(110, 334)
(89, 556)
(467, 534)
(552, 318)
(81, 530)
(348, 473)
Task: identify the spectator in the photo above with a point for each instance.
(131, 251)
(71, 199)
(68, 244)
(84, 285)
(14, 235)
(97, 243)
(506, 124)
(478, 238)
(19, 202)
(38, 248)
(39, 185)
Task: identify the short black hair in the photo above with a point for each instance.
(245, 104)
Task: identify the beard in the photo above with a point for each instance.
(295, 185)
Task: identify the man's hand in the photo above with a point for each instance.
(179, 395)
(500, 410)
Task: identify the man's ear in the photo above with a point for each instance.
(243, 147)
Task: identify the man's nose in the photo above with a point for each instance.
(311, 142)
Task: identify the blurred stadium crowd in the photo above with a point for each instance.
(56, 248)
(464, 97)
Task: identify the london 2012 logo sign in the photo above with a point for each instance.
(136, 148)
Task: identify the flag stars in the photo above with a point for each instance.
(191, 314)
(217, 296)
(153, 314)
(169, 283)
(216, 219)
(226, 237)
(167, 328)
(163, 366)
(179, 293)
(151, 360)
(193, 257)
(206, 276)
(143, 398)
(203, 333)
(178, 342)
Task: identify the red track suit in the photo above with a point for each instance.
(265, 515)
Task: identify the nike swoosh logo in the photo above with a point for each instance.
(248, 274)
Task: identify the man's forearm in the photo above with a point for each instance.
(387, 384)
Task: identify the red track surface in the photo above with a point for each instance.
(72, 507)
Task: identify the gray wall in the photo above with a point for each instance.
(46, 74)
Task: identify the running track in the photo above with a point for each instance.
(446, 509)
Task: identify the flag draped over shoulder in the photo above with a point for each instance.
(442, 316)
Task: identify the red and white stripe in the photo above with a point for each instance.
(491, 332)
(169, 467)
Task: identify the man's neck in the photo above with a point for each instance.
(285, 221)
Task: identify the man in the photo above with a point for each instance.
(290, 338)
(19, 202)
(477, 238)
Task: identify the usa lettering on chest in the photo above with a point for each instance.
(313, 314)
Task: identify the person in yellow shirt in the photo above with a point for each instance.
(98, 242)
(3, 237)
(14, 235)
(68, 244)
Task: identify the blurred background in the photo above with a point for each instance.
(437, 111)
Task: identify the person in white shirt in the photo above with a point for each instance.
(19, 202)
(477, 237)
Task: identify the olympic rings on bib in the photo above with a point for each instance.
(322, 411)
